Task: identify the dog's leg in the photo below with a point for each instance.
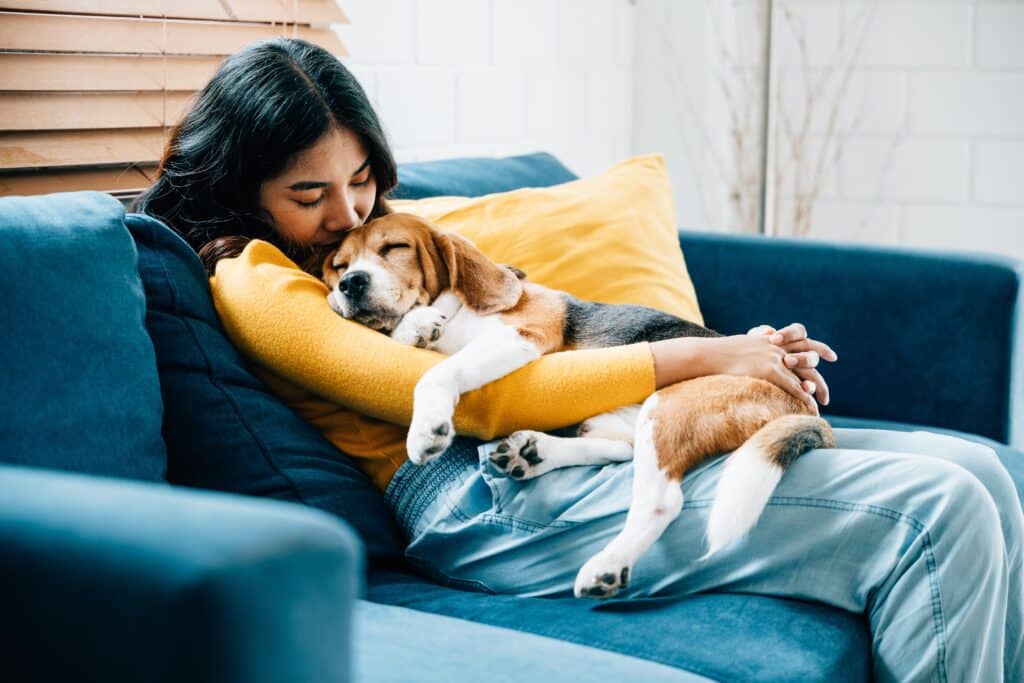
(657, 500)
(490, 356)
(526, 454)
(421, 326)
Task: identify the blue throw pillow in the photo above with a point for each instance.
(79, 383)
(223, 428)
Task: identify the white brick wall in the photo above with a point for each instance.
(497, 77)
(936, 157)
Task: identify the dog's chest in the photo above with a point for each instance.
(463, 328)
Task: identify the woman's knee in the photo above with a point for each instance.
(978, 459)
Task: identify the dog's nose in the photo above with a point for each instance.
(355, 284)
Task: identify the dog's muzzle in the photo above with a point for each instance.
(355, 285)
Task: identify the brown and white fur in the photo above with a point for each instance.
(424, 287)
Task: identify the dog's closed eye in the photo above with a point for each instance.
(388, 248)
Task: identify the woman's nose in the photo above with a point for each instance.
(341, 214)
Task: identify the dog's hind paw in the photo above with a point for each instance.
(518, 455)
(602, 576)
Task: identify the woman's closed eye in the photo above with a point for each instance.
(310, 204)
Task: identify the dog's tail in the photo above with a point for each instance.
(753, 471)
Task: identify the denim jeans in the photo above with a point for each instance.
(920, 532)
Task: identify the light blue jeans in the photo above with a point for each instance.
(920, 532)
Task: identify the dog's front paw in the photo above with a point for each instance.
(420, 327)
(602, 576)
(518, 455)
(428, 438)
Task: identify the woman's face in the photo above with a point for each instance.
(323, 191)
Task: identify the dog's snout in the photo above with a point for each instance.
(355, 284)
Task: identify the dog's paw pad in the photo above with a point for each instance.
(427, 441)
(518, 456)
(601, 578)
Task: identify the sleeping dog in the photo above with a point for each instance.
(403, 277)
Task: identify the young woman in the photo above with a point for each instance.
(921, 533)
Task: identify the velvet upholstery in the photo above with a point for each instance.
(923, 337)
(110, 580)
(79, 387)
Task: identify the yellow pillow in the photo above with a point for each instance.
(610, 238)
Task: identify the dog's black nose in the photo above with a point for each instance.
(355, 284)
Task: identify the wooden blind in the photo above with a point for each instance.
(89, 89)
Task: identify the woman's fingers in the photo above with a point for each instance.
(804, 359)
(788, 381)
(790, 333)
(813, 377)
(822, 349)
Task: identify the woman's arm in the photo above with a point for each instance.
(279, 317)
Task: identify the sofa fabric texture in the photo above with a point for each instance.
(223, 428)
(80, 388)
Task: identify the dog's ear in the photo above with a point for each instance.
(482, 285)
(328, 273)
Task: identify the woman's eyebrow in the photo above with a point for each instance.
(316, 184)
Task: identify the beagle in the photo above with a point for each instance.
(401, 276)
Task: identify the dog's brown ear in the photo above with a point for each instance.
(482, 285)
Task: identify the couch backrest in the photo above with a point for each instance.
(479, 176)
(78, 381)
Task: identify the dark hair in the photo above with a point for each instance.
(266, 103)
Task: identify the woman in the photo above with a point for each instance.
(922, 533)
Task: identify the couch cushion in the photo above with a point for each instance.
(722, 636)
(610, 238)
(224, 430)
(398, 644)
(80, 388)
(475, 177)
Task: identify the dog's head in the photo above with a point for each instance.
(384, 268)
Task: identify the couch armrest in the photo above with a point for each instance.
(930, 338)
(112, 580)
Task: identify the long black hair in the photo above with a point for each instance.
(266, 103)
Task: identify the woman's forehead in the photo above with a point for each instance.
(337, 154)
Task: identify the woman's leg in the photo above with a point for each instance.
(983, 463)
(912, 542)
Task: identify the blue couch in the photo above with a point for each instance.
(164, 517)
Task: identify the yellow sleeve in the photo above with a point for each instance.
(278, 316)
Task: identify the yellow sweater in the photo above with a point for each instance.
(356, 385)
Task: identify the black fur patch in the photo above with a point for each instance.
(796, 444)
(590, 325)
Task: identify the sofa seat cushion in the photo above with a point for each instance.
(722, 636)
(396, 644)
(224, 430)
(80, 387)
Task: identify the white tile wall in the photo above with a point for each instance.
(495, 77)
(932, 127)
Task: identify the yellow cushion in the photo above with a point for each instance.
(610, 238)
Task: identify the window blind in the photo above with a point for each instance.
(90, 89)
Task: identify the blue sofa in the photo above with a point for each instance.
(164, 517)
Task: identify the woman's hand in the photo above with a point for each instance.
(750, 355)
(802, 355)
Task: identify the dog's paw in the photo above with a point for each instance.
(428, 438)
(420, 327)
(602, 576)
(518, 455)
